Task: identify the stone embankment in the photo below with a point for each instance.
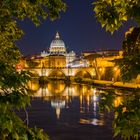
(117, 84)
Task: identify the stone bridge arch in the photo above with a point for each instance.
(83, 74)
(56, 73)
(34, 73)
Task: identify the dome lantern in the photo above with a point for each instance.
(57, 36)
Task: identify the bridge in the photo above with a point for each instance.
(84, 72)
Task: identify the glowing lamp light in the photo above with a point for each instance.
(94, 90)
(115, 68)
(18, 67)
(94, 98)
(100, 69)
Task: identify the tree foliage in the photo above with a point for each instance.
(130, 64)
(13, 84)
(127, 118)
(127, 113)
(32, 64)
(113, 13)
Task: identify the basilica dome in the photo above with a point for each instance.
(57, 45)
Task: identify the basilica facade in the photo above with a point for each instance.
(57, 55)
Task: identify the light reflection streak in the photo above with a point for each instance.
(93, 121)
(61, 97)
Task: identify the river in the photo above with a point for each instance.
(70, 112)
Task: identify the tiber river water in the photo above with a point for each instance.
(70, 112)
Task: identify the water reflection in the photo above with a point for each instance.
(78, 105)
(61, 97)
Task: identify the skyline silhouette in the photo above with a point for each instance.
(77, 27)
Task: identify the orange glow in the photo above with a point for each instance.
(115, 68)
(33, 85)
(124, 109)
(58, 111)
(117, 101)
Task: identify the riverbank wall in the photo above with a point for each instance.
(116, 84)
(94, 82)
(108, 83)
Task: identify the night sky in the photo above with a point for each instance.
(78, 28)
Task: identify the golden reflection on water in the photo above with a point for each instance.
(61, 96)
(92, 121)
(34, 85)
(55, 87)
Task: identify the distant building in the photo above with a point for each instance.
(57, 55)
(78, 63)
(57, 47)
(102, 58)
(101, 53)
(109, 52)
(86, 53)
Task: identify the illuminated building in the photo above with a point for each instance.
(57, 47)
(54, 61)
(57, 56)
(99, 65)
(78, 63)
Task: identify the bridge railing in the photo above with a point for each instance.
(58, 67)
